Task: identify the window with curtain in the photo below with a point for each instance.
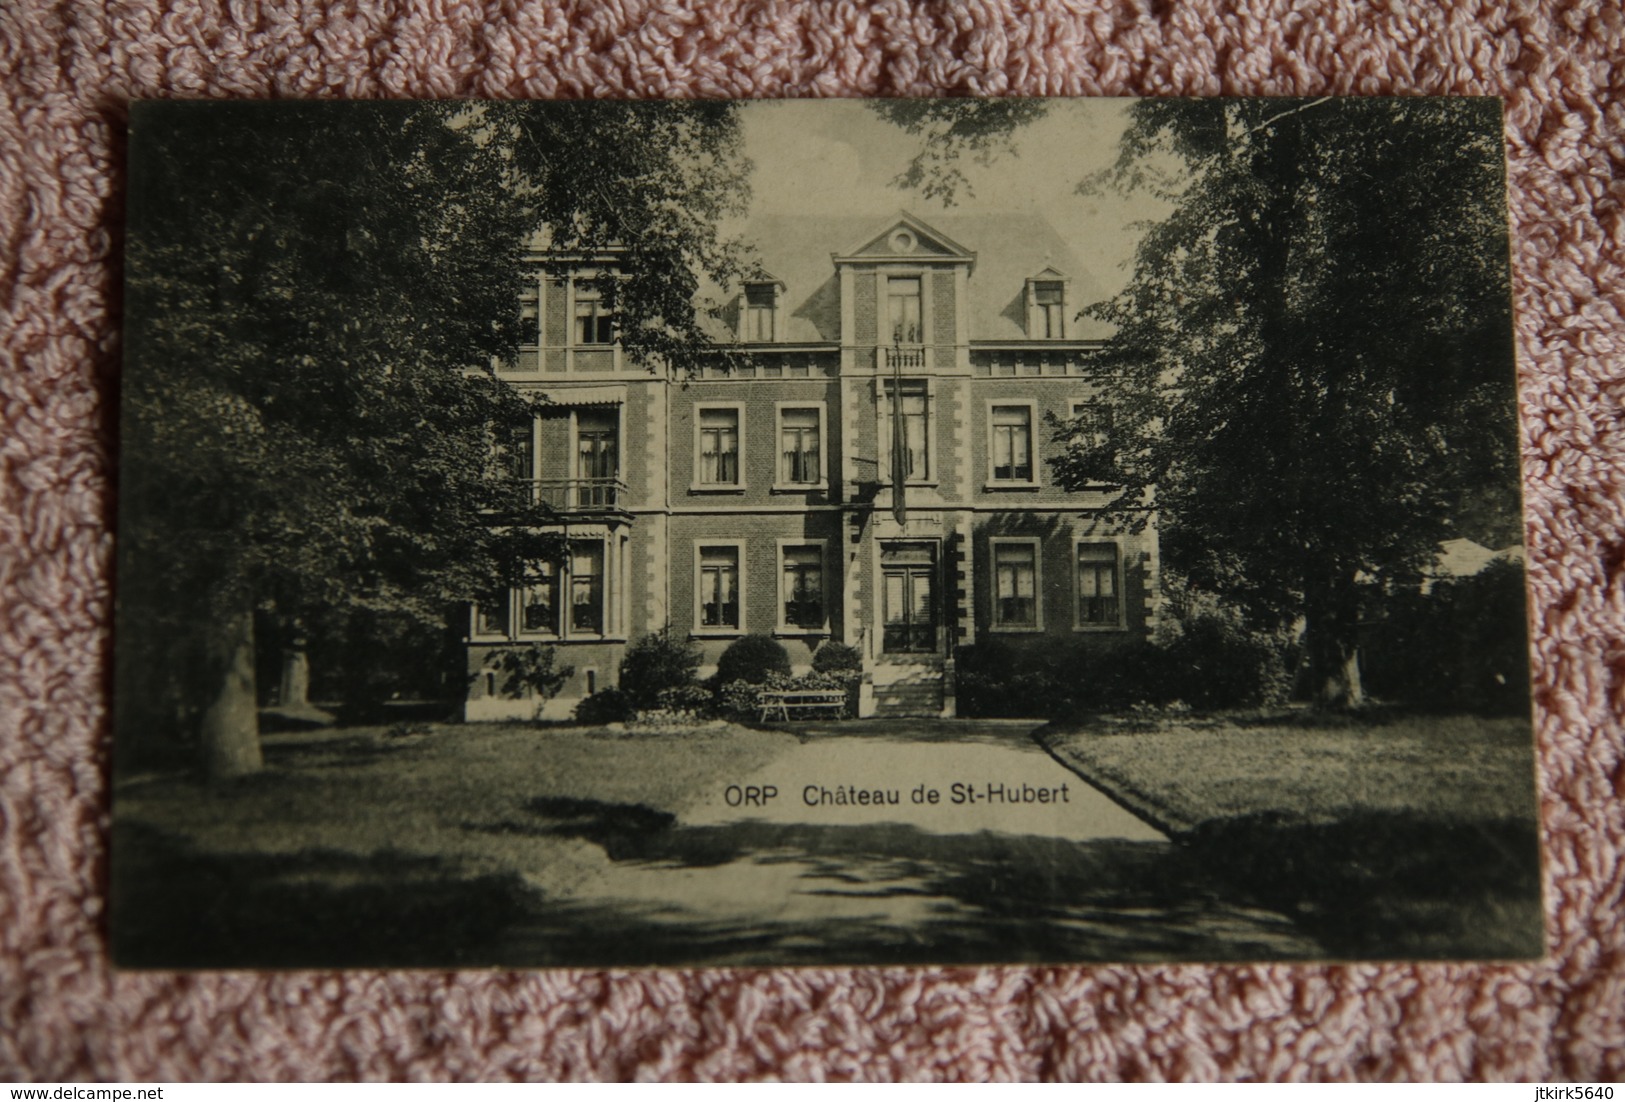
(1015, 568)
(587, 588)
(719, 587)
(1013, 443)
(719, 447)
(804, 587)
(799, 446)
(1099, 585)
(539, 600)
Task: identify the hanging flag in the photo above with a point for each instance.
(899, 441)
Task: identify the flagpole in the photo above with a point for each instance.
(899, 445)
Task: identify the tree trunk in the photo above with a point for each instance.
(230, 735)
(1332, 638)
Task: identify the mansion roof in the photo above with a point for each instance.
(1008, 249)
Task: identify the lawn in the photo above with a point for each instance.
(358, 845)
(1184, 772)
(1415, 832)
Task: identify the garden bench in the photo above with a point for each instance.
(786, 704)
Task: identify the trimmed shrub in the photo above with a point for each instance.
(605, 706)
(739, 700)
(659, 661)
(1206, 661)
(752, 658)
(996, 679)
(836, 656)
(1217, 662)
(692, 698)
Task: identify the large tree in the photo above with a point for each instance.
(316, 294)
(1312, 362)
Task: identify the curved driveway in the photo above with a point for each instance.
(836, 852)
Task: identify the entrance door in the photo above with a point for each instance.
(909, 592)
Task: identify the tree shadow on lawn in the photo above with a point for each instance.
(174, 906)
(872, 894)
(1388, 885)
(1381, 886)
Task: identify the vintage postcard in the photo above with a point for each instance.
(790, 533)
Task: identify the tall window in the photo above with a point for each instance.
(916, 430)
(1047, 299)
(799, 446)
(903, 310)
(539, 601)
(1012, 443)
(597, 457)
(719, 587)
(804, 587)
(1099, 585)
(760, 299)
(1015, 598)
(594, 323)
(719, 447)
(587, 588)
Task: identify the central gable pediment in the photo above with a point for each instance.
(906, 237)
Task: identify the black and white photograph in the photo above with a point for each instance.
(785, 533)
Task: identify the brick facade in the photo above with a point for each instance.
(720, 493)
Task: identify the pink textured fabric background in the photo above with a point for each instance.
(67, 71)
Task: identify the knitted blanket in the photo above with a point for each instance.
(68, 69)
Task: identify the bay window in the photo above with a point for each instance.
(587, 588)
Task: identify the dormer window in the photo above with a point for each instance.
(1046, 306)
(761, 300)
(1048, 297)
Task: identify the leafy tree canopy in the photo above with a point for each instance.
(948, 130)
(1312, 368)
(316, 293)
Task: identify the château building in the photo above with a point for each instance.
(761, 500)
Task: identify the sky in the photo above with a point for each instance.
(837, 157)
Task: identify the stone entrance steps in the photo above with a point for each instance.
(915, 693)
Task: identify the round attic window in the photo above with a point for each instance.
(903, 242)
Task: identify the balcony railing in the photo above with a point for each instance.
(904, 359)
(580, 495)
(567, 495)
